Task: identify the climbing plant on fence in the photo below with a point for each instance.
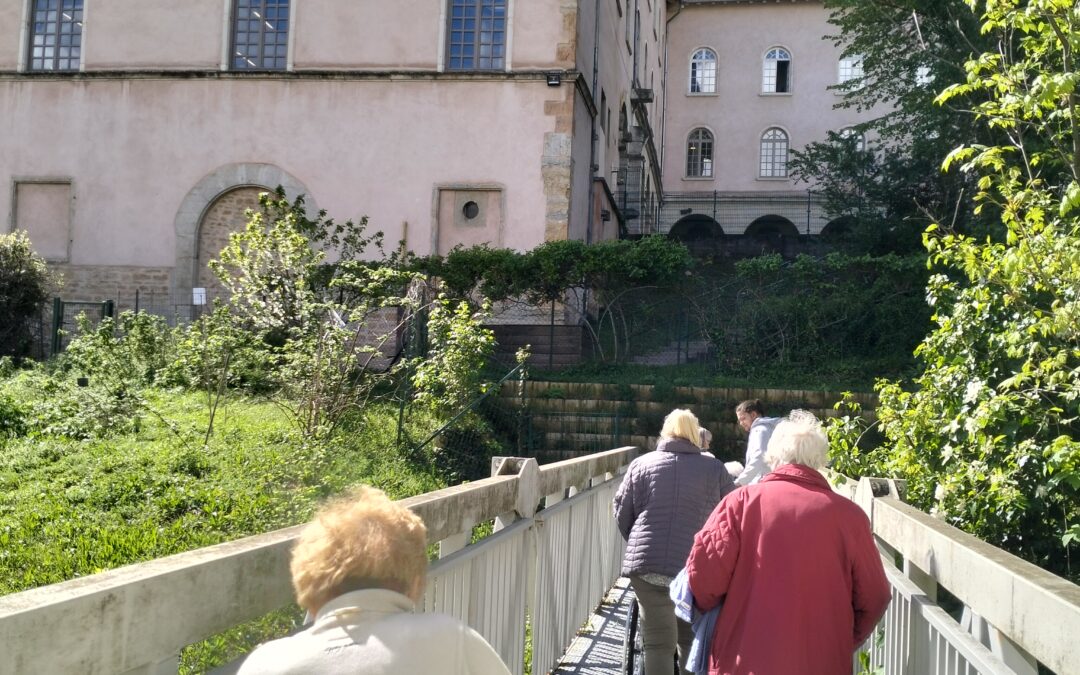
(597, 281)
(769, 312)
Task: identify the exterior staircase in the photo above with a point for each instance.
(571, 419)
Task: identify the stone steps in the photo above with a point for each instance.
(570, 418)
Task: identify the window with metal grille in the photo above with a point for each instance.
(774, 153)
(476, 35)
(260, 35)
(703, 72)
(776, 71)
(850, 68)
(699, 154)
(56, 34)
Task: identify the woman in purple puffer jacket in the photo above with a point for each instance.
(665, 498)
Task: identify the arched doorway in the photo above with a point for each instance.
(700, 233)
(837, 228)
(225, 215)
(771, 234)
(221, 181)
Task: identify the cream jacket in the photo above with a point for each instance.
(375, 632)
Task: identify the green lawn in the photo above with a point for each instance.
(74, 507)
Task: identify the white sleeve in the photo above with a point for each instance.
(755, 458)
(481, 657)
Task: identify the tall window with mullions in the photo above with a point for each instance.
(56, 34)
(260, 35)
(476, 35)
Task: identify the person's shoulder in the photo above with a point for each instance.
(273, 658)
(846, 508)
(648, 461)
(765, 423)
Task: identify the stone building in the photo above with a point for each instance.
(136, 134)
(747, 83)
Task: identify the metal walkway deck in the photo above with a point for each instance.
(598, 647)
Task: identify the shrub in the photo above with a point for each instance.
(24, 288)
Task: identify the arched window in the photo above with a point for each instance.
(699, 154)
(851, 135)
(703, 72)
(774, 153)
(776, 71)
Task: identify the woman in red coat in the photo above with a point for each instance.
(794, 564)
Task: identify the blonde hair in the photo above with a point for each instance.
(681, 423)
(798, 439)
(363, 540)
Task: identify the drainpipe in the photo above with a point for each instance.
(593, 139)
(637, 37)
(592, 125)
(663, 111)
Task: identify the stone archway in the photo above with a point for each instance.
(700, 233)
(225, 215)
(838, 228)
(770, 234)
(198, 201)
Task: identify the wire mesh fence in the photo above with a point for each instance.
(177, 308)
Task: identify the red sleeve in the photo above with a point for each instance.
(712, 558)
(870, 590)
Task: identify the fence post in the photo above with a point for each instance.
(57, 322)
(551, 338)
(808, 212)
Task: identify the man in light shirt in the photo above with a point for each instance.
(752, 419)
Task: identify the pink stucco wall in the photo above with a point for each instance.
(135, 147)
(11, 18)
(400, 34)
(154, 34)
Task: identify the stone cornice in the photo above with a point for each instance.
(294, 75)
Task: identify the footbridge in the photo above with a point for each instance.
(959, 605)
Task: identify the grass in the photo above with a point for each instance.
(74, 507)
(69, 508)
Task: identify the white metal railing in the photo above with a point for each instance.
(1015, 614)
(555, 551)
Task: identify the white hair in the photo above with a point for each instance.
(798, 439)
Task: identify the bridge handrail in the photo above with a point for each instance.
(112, 622)
(1037, 611)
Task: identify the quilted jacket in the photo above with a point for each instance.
(664, 499)
(797, 570)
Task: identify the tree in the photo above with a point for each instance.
(310, 319)
(24, 288)
(889, 192)
(990, 435)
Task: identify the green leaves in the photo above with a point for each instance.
(449, 377)
(987, 436)
(24, 287)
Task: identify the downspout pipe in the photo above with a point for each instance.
(593, 138)
(637, 38)
(663, 110)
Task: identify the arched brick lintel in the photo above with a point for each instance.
(212, 186)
